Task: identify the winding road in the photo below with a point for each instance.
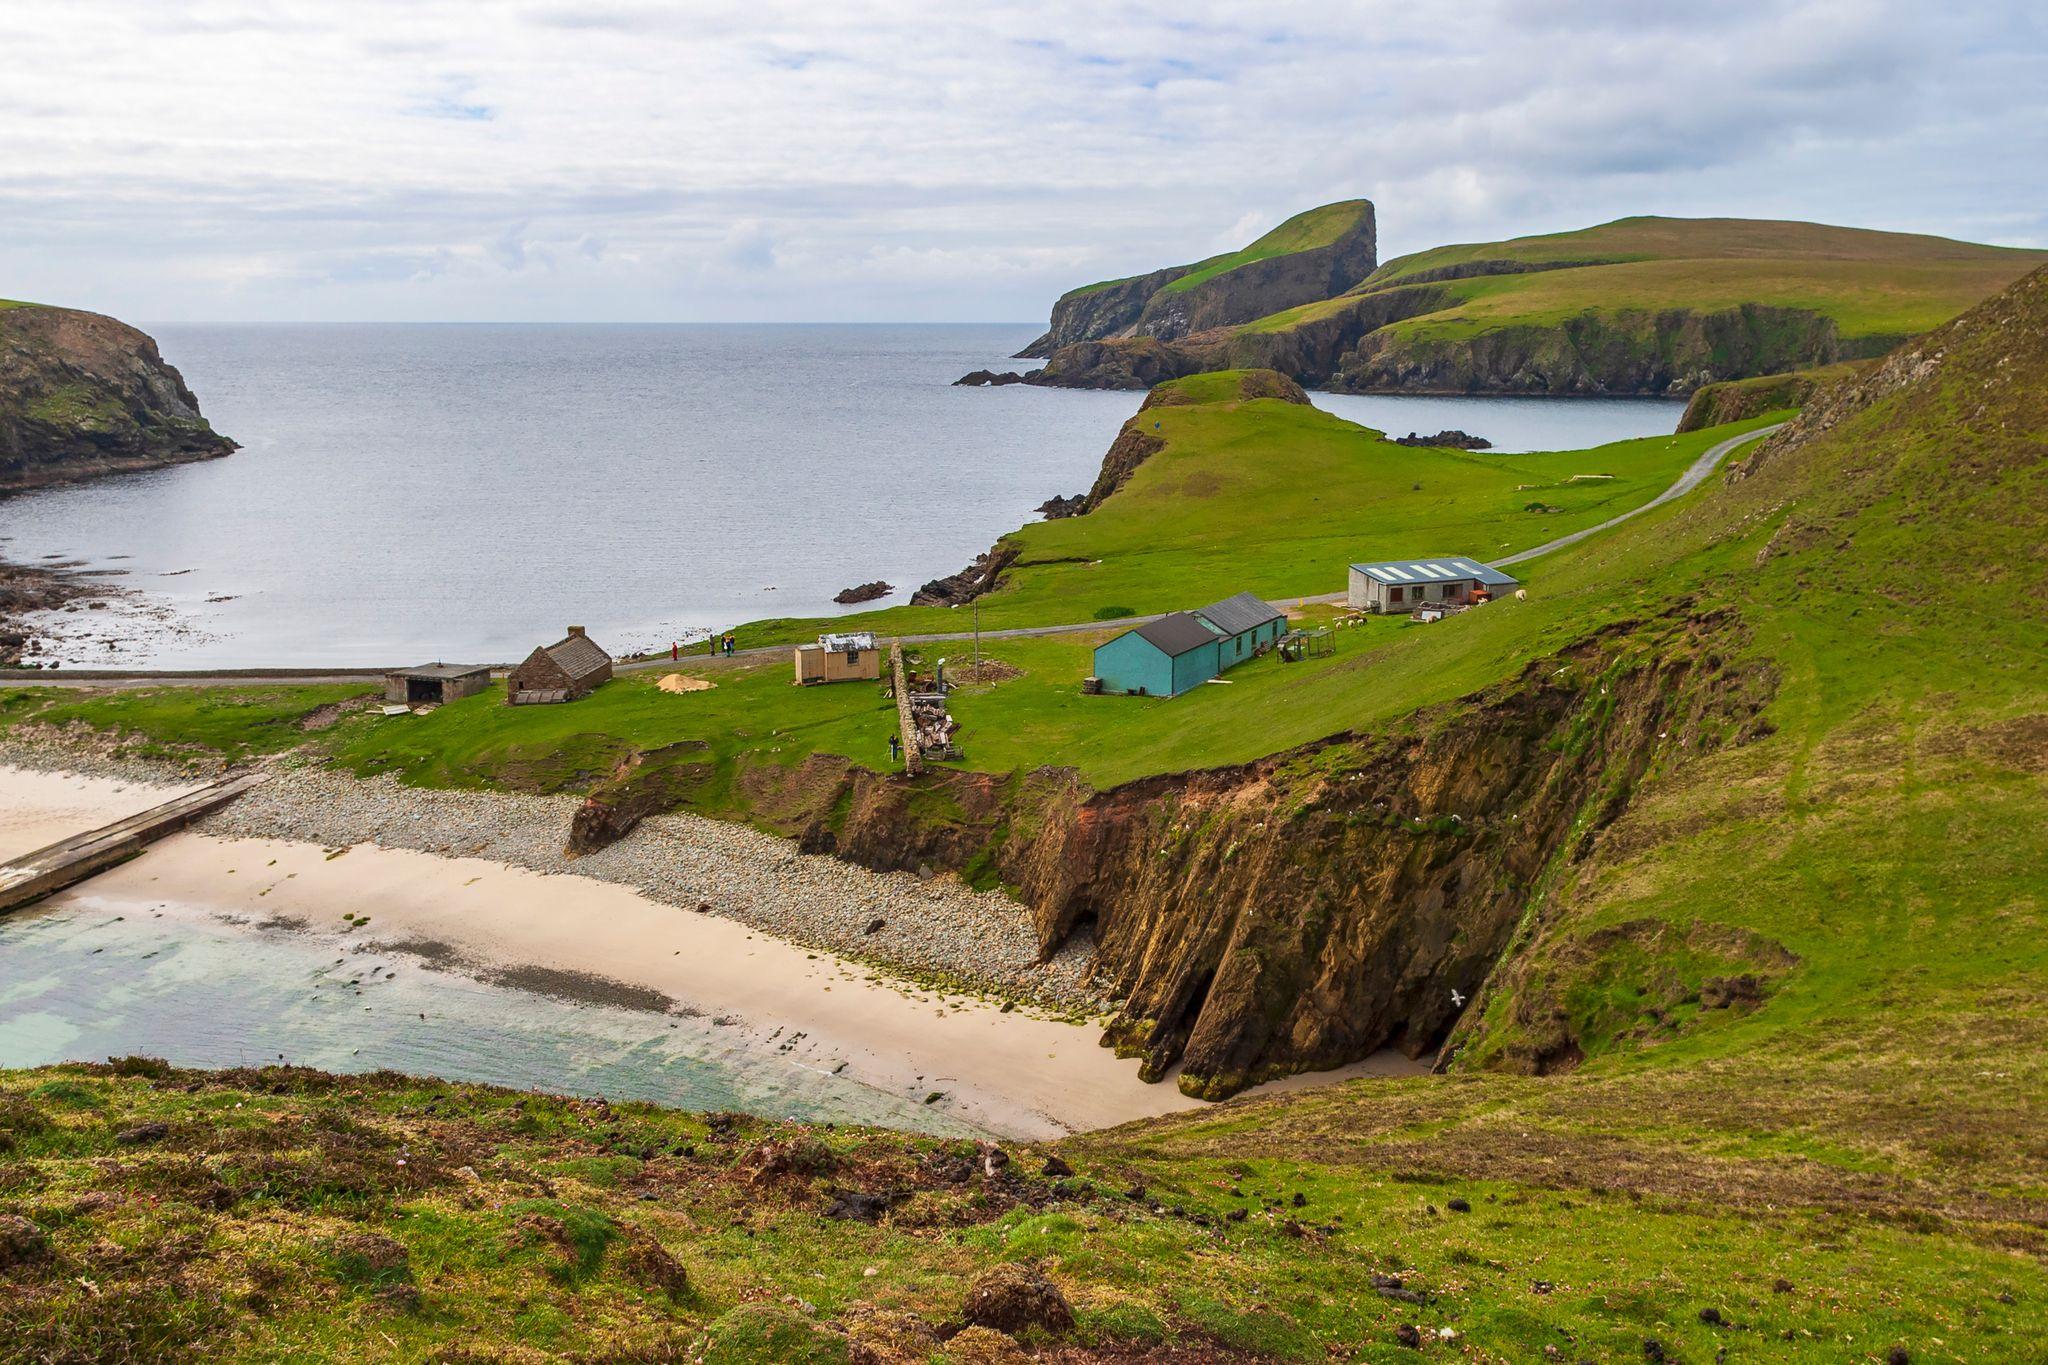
(1694, 475)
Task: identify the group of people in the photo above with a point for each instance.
(720, 644)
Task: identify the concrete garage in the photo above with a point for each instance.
(436, 684)
(1401, 585)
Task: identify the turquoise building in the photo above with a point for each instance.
(1166, 657)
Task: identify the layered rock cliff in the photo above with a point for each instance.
(1311, 256)
(1738, 400)
(1306, 910)
(1640, 306)
(83, 395)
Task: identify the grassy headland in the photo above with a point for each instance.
(1761, 1068)
(1640, 305)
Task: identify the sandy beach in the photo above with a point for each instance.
(1012, 1072)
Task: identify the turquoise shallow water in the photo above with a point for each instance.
(81, 984)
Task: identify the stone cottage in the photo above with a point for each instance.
(572, 667)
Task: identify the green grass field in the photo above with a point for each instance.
(1215, 513)
(1318, 227)
(1872, 284)
(1212, 514)
(1845, 1164)
(1307, 231)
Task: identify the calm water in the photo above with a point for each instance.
(80, 982)
(462, 492)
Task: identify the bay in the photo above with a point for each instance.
(463, 492)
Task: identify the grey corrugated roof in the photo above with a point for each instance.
(1175, 635)
(1236, 615)
(579, 656)
(443, 670)
(1435, 569)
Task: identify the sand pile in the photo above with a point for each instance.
(676, 682)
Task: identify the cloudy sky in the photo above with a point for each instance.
(854, 160)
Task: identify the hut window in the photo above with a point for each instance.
(1394, 594)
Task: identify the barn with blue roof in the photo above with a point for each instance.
(1185, 649)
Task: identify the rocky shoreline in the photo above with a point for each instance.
(932, 929)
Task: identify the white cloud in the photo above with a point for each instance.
(862, 158)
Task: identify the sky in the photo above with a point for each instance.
(621, 160)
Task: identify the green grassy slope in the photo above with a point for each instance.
(1844, 1162)
(1873, 284)
(1305, 231)
(1277, 498)
(1318, 227)
(1262, 496)
(283, 1215)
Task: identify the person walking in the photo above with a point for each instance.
(675, 651)
(895, 747)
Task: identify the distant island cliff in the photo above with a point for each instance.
(82, 395)
(1639, 306)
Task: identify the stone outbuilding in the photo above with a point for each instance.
(572, 667)
(435, 684)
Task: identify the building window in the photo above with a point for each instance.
(1394, 594)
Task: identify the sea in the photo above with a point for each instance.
(461, 492)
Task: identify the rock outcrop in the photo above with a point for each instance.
(1305, 910)
(1669, 353)
(865, 592)
(1738, 400)
(82, 395)
(1311, 256)
(1451, 439)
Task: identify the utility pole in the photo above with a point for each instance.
(977, 639)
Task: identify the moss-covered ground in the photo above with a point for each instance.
(278, 1214)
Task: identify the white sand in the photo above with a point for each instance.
(1010, 1073)
(39, 808)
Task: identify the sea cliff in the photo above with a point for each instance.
(82, 395)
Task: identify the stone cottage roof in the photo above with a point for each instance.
(578, 656)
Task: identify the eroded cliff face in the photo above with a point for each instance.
(1306, 910)
(1109, 310)
(1354, 347)
(83, 395)
(1669, 353)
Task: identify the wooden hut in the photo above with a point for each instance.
(572, 667)
(851, 657)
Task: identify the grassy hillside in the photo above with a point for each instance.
(1318, 227)
(1306, 231)
(1763, 1071)
(1653, 238)
(1266, 496)
(1277, 498)
(1881, 285)
(1641, 305)
(280, 1214)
